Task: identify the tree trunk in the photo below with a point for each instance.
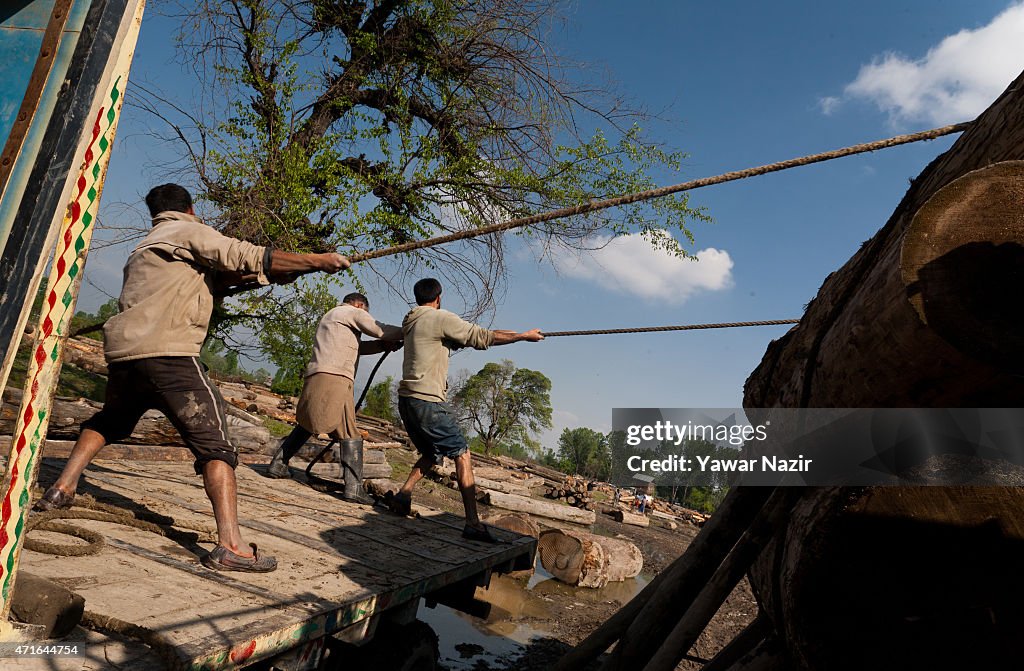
(554, 511)
(506, 487)
(923, 315)
(586, 560)
(629, 518)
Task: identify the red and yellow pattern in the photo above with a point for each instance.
(58, 308)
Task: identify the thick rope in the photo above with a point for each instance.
(87, 508)
(659, 329)
(639, 196)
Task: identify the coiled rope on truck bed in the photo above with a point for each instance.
(659, 329)
(88, 508)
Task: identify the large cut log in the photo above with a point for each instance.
(506, 487)
(555, 511)
(925, 314)
(664, 523)
(629, 518)
(587, 560)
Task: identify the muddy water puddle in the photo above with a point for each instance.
(519, 613)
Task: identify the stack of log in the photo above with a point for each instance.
(151, 434)
(573, 491)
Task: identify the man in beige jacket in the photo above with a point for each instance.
(430, 334)
(152, 351)
(326, 404)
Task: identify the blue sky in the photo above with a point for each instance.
(734, 84)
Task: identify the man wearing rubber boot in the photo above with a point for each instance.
(152, 351)
(430, 334)
(326, 404)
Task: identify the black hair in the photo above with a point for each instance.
(168, 198)
(426, 290)
(355, 298)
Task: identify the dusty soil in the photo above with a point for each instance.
(566, 615)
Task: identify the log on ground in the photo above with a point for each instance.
(555, 511)
(629, 518)
(587, 560)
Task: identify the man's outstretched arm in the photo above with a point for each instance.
(502, 337)
(287, 264)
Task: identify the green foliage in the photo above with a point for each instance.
(288, 336)
(585, 452)
(83, 319)
(504, 405)
(380, 401)
(356, 126)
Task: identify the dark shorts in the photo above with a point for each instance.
(432, 428)
(179, 388)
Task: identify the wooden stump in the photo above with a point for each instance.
(586, 560)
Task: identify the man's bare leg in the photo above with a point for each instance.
(419, 469)
(222, 488)
(87, 446)
(467, 487)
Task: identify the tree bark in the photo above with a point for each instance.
(506, 487)
(586, 560)
(918, 317)
(517, 522)
(554, 511)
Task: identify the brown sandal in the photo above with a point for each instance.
(54, 499)
(223, 559)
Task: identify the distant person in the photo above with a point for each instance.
(326, 404)
(152, 351)
(430, 334)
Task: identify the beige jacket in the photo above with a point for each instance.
(430, 335)
(167, 297)
(338, 343)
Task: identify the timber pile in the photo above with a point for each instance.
(249, 397)
(153, 429)
(587, 560)
(572, 491)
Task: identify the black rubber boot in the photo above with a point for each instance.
(278, 467)
(350, 458)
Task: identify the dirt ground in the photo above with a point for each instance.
(567, 615)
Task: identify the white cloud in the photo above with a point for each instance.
(630, 264)
(955, 81)
(829, 104)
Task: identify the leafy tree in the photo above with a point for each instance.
(380, 401)
(504, 404)
(83, 320)
(355, 124)
(585, 452)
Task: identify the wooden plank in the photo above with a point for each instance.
(212, 618)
